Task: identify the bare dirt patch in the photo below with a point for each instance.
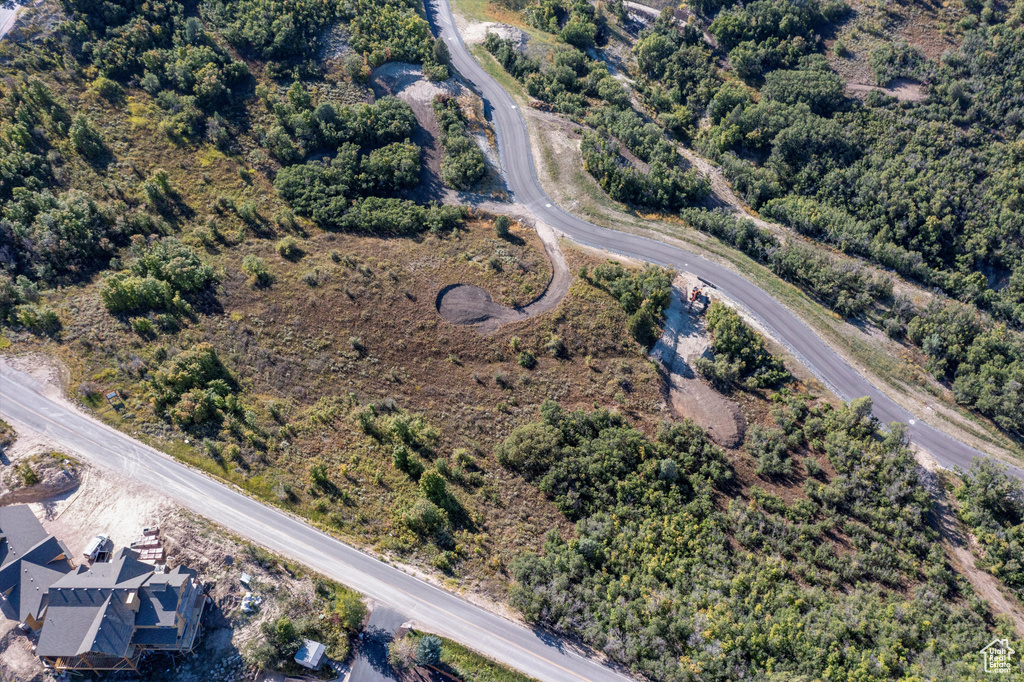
(474, 32)
(903, 89)
(689, 396)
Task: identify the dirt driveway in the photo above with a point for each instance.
(688, 395)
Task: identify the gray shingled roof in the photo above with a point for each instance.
(29, 563)
(80, 621)
(21, 530)
(88, 611)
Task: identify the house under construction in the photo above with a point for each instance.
(106, 616)
(30, 561)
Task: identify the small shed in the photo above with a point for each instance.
(310, 654)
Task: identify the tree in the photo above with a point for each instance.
(350, 608)
(434, 488)
(257, 269)
(530, 449)
(86, 140)
(440, 52)
(428, 652)
(501, 226)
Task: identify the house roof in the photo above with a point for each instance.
(87, 621)
(20, 530)
(30, 561)
(89, 610)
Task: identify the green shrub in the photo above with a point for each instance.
(768, 446)
(434, 488)
(256, 268)
(28, 475)
(463, 163)
(107, 89)
(501, 226)
(86, 140)
(740, 353)
(38, 319)
(143, 327)
(425, 517)
(288, 247)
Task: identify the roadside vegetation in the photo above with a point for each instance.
(416, 650)
(834, 559)
(336, 618)
(463, 164)
(797, 148)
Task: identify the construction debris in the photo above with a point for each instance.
(251, 602)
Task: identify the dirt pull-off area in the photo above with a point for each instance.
(465, 304)
(903, 89)
(689, 396)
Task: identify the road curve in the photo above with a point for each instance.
(519, 173)
(535, 653)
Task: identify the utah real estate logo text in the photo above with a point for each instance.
(998, 656)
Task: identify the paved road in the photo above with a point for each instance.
(518, 171)
(8, 13)
(535, 653)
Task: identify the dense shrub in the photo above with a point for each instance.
(648, 527)
(194, 387)
(643, 294)
(739, 353)
(160, 275)
(991, 503)
(463, 163)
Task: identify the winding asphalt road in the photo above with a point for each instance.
(535, 653)
(520, 176)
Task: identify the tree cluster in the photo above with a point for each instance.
(463, 163)
(739, 353)
(575, 21)
(160, 277)
(643, 294)
(167, 48)
(844, 286)
(991, 503)
(194, 387)
(663, 580)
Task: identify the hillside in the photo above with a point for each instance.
(921, 251)
(214, 210)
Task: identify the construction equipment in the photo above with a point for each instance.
(694, 296)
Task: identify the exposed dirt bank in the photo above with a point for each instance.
(959, 547)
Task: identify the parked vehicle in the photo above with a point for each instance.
(96, 546)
